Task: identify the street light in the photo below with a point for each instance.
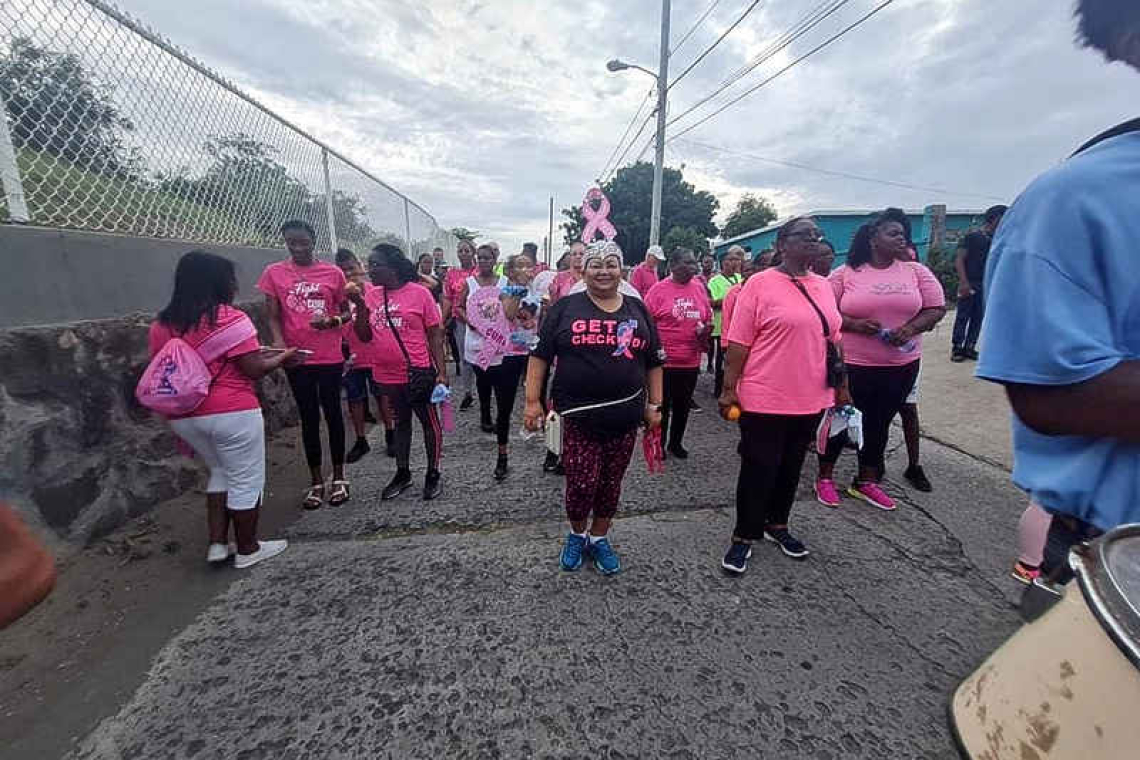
(662, 78)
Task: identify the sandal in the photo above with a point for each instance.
(314, 497)
(339, 494)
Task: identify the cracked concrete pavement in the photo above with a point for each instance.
(411, 629)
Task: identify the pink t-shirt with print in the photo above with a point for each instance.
(677, 310)
(305, 293)
(453, 281)
(786, 368)
(726, 308)
(413, 311)
(892, 297)
(561, 285)
(231, 391)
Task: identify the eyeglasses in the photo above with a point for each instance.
(808, 236)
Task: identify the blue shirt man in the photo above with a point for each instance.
(1062, 333)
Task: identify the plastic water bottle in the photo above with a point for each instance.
(441, 397)
(887, 336)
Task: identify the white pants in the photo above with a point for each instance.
(232, 445)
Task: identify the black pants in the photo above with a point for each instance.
(718, 378)
(429, 420)
(968, 319)
(316, 388)
(879, 393)
(456, 350)
(485, 386)
(505, 383)
(772, 451)
(679, 385)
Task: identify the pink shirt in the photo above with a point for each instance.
(892, 297)
(785, 372)
(643, 278)
(678, 310)
(413, 311)
(231, 391)
(453, 281)
(563, 281)
(304, 294)
(727, 306)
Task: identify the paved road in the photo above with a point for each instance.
(407, 629)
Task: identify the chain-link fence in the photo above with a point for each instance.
(104, 125)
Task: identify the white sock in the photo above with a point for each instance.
(583, 534)
(596, 539)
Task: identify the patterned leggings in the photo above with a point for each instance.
(595, 465)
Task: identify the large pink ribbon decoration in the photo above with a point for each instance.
(597, 220)
(485, 315)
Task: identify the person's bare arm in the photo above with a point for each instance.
(273, 312)
(257, 364)
(445, 305)
(734, 360)
(435, 345)
(922, 322)
(459, 309)
(362, 324)
(1105, 406)
(964, 288)
(536, 370)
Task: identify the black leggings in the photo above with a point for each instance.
(718, 382)
(504, 380)
(772, 451)
(485, 387)
(316, 387)
(429, 421)
(879, 393)
(679, 384)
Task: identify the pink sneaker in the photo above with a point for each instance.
(826, 493)
(872, 494)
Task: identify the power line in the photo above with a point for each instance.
(693, 28)
(833, 173)
(711, 47)
(630, 145)
(803, 57)
(801, 28)
(625, 134)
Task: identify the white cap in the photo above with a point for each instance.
(656, 251)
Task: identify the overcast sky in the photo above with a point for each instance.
(482, 109)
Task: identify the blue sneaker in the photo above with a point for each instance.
(572, 549)
(605, 558)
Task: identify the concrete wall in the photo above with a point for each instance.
(54, 276)
(78, 455)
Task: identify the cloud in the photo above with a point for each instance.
(480, 111)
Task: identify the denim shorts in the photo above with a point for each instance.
(356, 384)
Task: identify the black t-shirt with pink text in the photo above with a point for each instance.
(602, 356)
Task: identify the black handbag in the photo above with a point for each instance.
(836, 370)
(421, 380)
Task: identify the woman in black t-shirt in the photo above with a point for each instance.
(608, 383)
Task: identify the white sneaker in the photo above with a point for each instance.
(220, 552)
(267, 549)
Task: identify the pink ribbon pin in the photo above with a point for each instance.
(597, 220)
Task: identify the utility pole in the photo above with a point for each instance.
(550, 234)
(662, 100)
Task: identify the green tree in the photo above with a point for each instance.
(630, 192)
(685, 237)
(465, 234)
(58, 108)
(751, 213)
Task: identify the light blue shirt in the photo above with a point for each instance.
(1063, 306)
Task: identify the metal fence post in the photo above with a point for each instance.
(333, 242)
(408, 230)
(10, 171)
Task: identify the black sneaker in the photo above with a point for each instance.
(390, 443)
(957, 355)
(970, 354)
(788, 543)
(678, 451)
(400, 483)
(502, 468)
(358, 450)
(487, 426)
(694, 408)
(917, 478)
(466, 403)
(432, 486)
(550, 464)
(736, 560)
